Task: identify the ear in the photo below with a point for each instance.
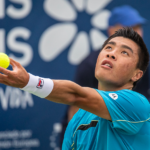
(138, 74)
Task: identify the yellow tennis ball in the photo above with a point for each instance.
(4, 60)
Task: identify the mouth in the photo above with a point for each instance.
(107, 64)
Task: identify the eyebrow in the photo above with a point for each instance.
(123, 46)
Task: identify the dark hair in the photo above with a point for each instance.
(129, 33)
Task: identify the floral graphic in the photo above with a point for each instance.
(70, 30)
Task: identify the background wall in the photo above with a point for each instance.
(49, 38)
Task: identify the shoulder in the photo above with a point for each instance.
(126, 98)
(134, 97)
(128, 109)
(125, 94)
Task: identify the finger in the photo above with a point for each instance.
(4, 79)
(15, 63)
(4, 71)
(4, 82)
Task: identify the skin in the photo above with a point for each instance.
(121, 76)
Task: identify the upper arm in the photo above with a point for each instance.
(124, 109)
(68, 92)
(93, 102)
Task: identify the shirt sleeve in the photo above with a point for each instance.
(128, 110)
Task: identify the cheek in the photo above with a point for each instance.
(100, 56)
(99, 60)
(98, 64)
(127, 68)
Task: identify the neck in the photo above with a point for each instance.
(109, 87)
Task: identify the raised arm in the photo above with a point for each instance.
(68, 92)
(64, 91)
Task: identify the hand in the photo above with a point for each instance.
(18, 77)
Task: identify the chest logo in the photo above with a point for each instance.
(114, 96)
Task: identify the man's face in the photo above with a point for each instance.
(116, 63)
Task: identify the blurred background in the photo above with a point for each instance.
(50, 38)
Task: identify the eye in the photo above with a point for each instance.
(108, 47)
(124, 52)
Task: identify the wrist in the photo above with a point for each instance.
(39, 86)
(27, 80)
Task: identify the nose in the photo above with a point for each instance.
(111, 56)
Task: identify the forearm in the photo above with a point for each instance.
(65, 92)
(59, 91)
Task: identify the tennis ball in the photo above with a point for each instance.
(4, 60)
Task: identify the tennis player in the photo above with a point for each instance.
(112, 117)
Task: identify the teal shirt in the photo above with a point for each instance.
(128, 130)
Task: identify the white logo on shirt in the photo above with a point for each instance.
(113, 95)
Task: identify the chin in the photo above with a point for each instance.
(101, 76)
(110, 81)
(108, 78)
